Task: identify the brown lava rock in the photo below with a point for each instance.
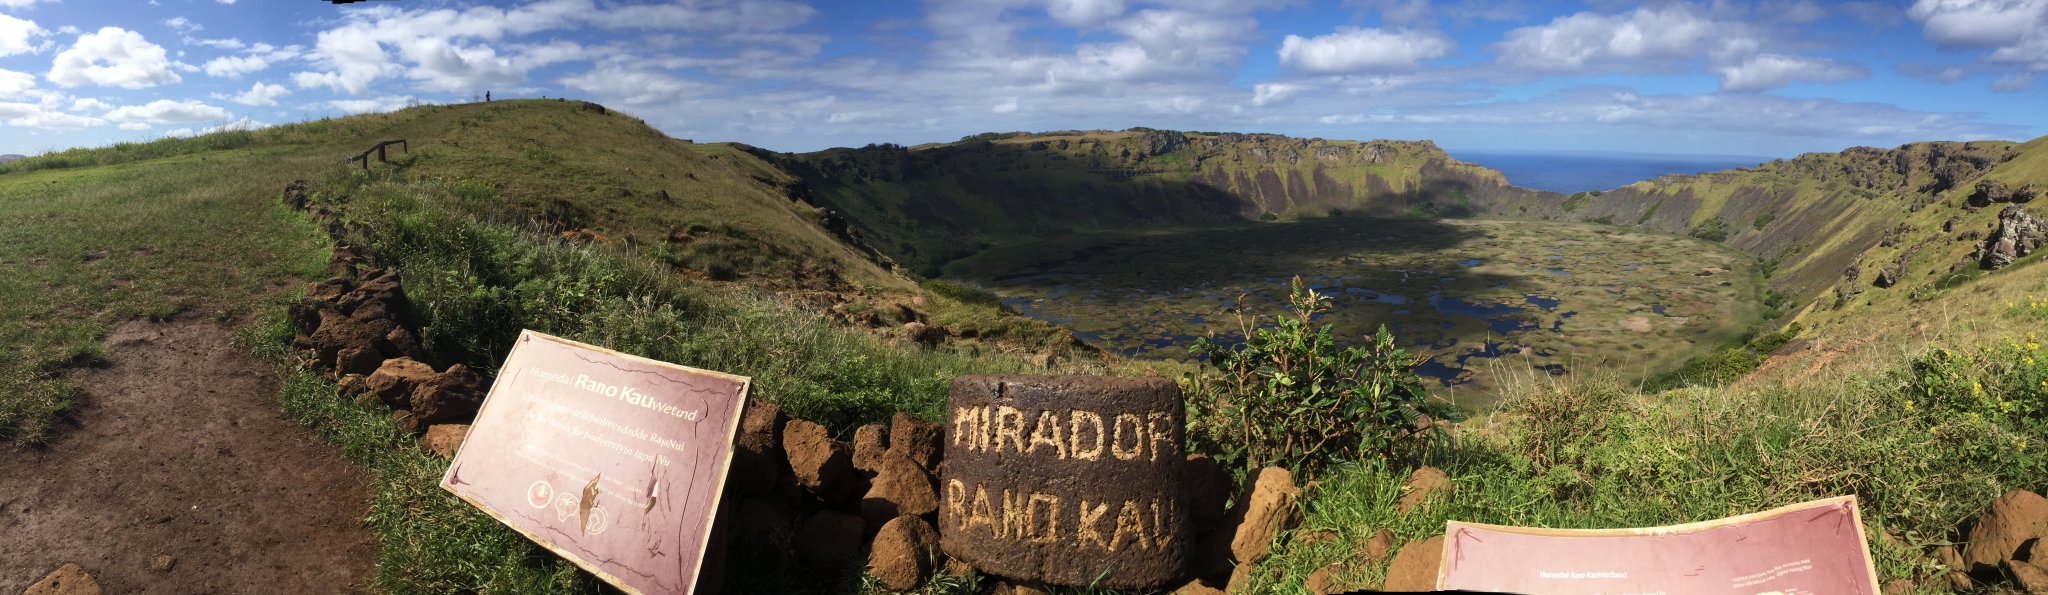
(1415, 568)
(1265, 512)
(822, 465)
(869, 442)
(900, 487)
(394, 380)
(452, 395)
(757, 459)
(2014, 518)
(919, 440)
(68, 579)
(905, 551)
(1208, 489)
(1423, 484)
(1067, 480)
(445, 439)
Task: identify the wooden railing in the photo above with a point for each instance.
(379, 150)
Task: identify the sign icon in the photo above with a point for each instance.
(540, 494)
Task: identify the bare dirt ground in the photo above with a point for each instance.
(180, 451)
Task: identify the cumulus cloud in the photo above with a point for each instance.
(15, 84)
(2014, 31)
(17, 36)
(183, 25)
(30, 115)
(1083, 12)
(165, 111)
(1765, 71)
(1649, 35)
(225, 44)
(113, 57)
(134, 126)
(261, 94)
(259, 57)
(1353, 49)
(88, 104)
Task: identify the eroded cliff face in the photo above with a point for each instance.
(931, 204)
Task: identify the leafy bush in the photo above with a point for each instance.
(1763, 219)
(1725, 365)
(964, 292)
(1712, 230)
(1269, 217)
(2005, 384)
(1290, 396)
(1603, 220)
(1577, 201)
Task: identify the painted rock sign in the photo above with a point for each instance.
(1068, 480)
(612, 461)
(1814, 548)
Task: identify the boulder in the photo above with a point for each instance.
(757, 459)
(404, 343)
(2030, 577)
(454, 394)
(905, 551)
(68, 579)
(1198, 587)
(305, 314)
(357, 361)
(899, 487)
(2018, 233)
(919, 440)
(924, 333)
(1324, 580)
(338, 332)
(406, 421)
(1415, 567)
(1375, 549)
(829, 538)
(1990, 191)
(445, 439)
(822, 465)
(869, 442)
(350, 384)
(330, 290)
(2014, 518)
(903, 312)
(395, 378)
(1208, 491)
(1422, 484)
(1266, 511)
(1898, 586)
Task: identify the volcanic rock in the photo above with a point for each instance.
(357, 361)
(822, 465)
(394, 380)
(900, 487)
(1375, 549)
(829, 538)
(445, 439)
(2031, 577)
(1422, 484)
(2019, 233)
(1266, 511)
(338, 332)
(758, 460)
(454, 394)
(2014, 518)
(869, 442)
(1958, 575)
(1415, 568)
(919, 440)
(905, 551)
(1990, 191)
(68, 579)
(760, 523)
(330, 289)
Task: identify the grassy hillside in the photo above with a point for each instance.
(1925, 399)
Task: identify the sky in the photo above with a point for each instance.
(1772, 78)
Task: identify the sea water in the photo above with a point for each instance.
(1579, 171)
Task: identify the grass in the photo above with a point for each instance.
(83, 248)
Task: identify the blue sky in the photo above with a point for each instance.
(1771, 78)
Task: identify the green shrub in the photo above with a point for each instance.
(1336, 212)
(964, 292)
(1290, 396)
(1763, 219)
(1650, 213)
(1577, 201)
(1603, 220)
(1268, 217)
(1712, 230)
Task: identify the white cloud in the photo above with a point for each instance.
(29, 115)
(130, 61)
(134, 126)
(243, 124)
(16, 3)
(1005, 107)
(1801, 12)
(1579, 41)
(260, 56)
(225, 44)
(2015, 32)
(16, 35)
(1083, 12)
(261, 94)
(1764, 71)
(634, 87)
(15, 84)
(1352, 49)
(230, 2)
(378, 105)
(165, 111)
(178, 132)
(88, 104)
(183, 25)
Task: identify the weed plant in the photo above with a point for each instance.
(1290, 396)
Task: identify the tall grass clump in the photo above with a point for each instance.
(1291, 396)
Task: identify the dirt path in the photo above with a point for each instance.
(181, 451)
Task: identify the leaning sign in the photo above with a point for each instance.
(1813, 548)
(612, 461)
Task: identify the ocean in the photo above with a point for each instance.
(1578, 171)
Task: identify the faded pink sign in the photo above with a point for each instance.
(1814, 548)
(615, 462)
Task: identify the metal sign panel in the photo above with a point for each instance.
(1813, 548)
(615, 462)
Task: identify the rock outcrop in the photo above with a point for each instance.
(2019, 233)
